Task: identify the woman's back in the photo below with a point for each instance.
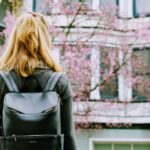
(28, 49)
(36, 83)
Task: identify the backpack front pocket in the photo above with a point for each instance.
(33, 142)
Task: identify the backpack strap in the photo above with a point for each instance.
(9, 81)
(52, 81)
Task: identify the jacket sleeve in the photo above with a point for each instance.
(67, 124)
(3, 91)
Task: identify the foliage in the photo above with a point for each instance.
(79, 32)
(9, 21)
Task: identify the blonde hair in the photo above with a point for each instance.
(29, 45)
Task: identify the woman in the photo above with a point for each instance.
(27, 56)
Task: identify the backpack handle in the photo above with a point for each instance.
(9, 81)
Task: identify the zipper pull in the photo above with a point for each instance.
(14, 137)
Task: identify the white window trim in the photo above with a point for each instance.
(28, 5)
(95, 4)
(117, 140)
(124, 87)
(95, 73)
(126, 8)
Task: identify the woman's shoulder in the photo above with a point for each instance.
(63, 79)
(63, 86)
(1, 80)
(2, 83)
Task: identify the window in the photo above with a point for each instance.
(46, 6)
(37, 4)
(108, 90)
(111, 2)
(141, 74)
(87, 4)
(85, 1)
(141, 7)
(101, 61)
(42, 6)
(109, 6)
(102, 146)
(121, 146)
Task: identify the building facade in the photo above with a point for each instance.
(112, 134)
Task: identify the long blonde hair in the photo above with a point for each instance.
(29, 45)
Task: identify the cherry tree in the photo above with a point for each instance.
(79, 33)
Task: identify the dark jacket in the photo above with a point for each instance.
(63, 88)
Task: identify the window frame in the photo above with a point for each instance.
(135, 13)
(34, 5)
(112, 141)
(113, 82)
(83, 1)
(96, 77)
(117, 2)
(111, 97)
(141, 98)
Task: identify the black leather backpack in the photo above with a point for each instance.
(31, 121)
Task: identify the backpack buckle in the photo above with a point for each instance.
(15, 138)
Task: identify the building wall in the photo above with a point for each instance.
(84, 136)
